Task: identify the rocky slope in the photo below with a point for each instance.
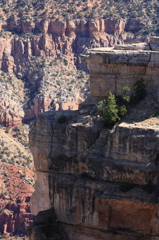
(17, 182)
(41, 59)
(15, 195)
(40, 47)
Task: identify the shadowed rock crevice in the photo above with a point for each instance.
(46, 226)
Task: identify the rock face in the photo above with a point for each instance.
(113, 68)
(101, 183)
(69, 37)
(15, 193)
(22, 43)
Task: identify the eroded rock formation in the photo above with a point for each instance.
(101, 183)
(69, 37)
(15, 215)
(22, 43)
(113, 68)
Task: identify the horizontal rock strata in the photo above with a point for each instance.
(113, 68)
(101, 183)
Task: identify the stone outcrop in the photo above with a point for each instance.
(71, 28)
(10, 118)
(113, 68)
(41, 105)
(101, 183)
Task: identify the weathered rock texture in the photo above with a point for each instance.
(113, 68)
(70, 38)
(22, 43)
(102, 184)
(15, 192)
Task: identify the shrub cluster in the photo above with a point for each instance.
(112, 109)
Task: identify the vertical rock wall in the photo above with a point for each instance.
(113, 68)
(102, 184)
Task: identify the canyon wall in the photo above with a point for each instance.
(113, 68)
(27, 47)
(101, 183)
(98, 183)
(70, 38)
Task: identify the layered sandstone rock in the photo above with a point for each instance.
(15, 220)
(113, 68)
(69, 37)
(22, 42)
(55, 35)
(101, 183)
(15, 192)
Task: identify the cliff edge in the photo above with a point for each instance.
(93, 182)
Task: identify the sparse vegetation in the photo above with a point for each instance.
(17, 151)
(31, 11)
(108, 109)
(112, 108)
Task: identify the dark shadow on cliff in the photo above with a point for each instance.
(46, 226)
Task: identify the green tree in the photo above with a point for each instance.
(122, 110)
(125, 95)
(123, 101)
(108, 109)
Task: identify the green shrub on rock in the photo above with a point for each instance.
(108, 109)
(122, 110)
(125, 95)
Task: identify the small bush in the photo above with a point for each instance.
(125, 95)
(122, 110)
(3, 160)
(16, 129)
(108, 109)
